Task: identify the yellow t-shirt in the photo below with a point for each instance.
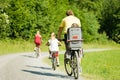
(68, 21)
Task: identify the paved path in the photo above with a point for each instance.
(26, 67)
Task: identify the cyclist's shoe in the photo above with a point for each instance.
(50, 56)
(58, 64)
(35, 49)
(67, 56)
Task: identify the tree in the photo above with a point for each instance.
(4, 20)
(110, 19)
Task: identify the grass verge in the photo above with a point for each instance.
(18, 46)
(103, 65)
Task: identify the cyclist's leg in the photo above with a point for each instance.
(35, 48)
(80, 60)
(57, 57)
(81, 55)
(65, 41)
(39, 50)
(66, 46)
(50, 55)
(38, 46)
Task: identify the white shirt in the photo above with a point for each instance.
(53, 44)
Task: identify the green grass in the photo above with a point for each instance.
(18, 46)
(14, 46)
(103, 65)
(109, 44)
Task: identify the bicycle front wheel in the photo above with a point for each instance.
(76, 65)
(67, 64)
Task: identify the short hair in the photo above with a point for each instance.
(52, 34)
(69, 12)
(38, 32)
(75, 25)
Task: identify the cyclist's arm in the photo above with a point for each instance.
(59, 43)
(79, 23)
(62, 25)
(47, 44)
(60, 32)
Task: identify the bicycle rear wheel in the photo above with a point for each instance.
(76, 65)
(67, 64)
(54, 63)
(37, 52)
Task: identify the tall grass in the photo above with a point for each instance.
(98, 44)
(105, 64)
(15, 46)
(8, 46)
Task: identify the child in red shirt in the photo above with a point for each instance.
(38, 40)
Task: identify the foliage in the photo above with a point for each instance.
(110, 19)
(25, 17)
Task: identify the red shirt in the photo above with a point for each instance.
(37, 39)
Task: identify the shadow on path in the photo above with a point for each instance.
(48, 74)
(39, 67)
(29, 56)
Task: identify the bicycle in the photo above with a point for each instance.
(73, 52)
(72, 65)
(54, 59)
(37, 52)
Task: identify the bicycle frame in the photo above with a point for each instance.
(54, 60)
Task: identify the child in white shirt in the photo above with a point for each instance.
(54, 46)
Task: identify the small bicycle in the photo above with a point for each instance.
(37, 52)
(73, 53)
(54, 59)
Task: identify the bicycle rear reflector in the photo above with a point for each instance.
(75, 37)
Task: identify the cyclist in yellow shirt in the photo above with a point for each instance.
(67, 23)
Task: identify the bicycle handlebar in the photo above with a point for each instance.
(61, 40)
(70, 40)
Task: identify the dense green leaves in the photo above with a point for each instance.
(110, 19)
(21, 18)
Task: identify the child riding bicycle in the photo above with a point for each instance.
(53, 44)
(37, 41)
